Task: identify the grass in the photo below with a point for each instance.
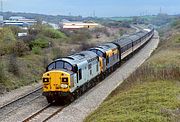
(143, 102)
(151, 94)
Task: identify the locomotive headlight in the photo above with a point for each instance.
(45, 80)
(64, 86)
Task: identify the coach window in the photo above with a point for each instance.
(80, 74)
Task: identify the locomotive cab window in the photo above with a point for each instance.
(59, 65)
(68, 66)
(51, 67)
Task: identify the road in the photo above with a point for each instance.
(78, 110)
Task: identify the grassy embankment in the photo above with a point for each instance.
(150, 94)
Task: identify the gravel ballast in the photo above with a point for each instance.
(82, 107)
(14, 94)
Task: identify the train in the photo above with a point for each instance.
(69, 77)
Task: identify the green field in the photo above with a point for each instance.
(151, 94)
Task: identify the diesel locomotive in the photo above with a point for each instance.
(68, 77)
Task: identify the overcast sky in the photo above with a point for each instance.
(102, 8)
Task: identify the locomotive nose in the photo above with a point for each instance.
(56, 81)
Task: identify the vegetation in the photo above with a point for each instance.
(51, 33)
(21, 61)
(151, 93)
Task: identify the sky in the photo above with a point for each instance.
(101, 8)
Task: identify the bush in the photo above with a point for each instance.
(7, 41)
(8, 36)
(40, 42)
(20, 48)
(57, 53)
(36, 50)
(15, 30)
(102, 30)
(176, 23)
(45, 60)
(86, 45)
(81, 35)
(2, 74)
(13, 65)
(52, 33)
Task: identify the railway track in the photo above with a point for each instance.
(44, 114)
(12, 106)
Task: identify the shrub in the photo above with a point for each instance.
(20, 48)
(7, 41)
(8, 35)
(52, 33)
(45, 61)
(86, 45)
(15, 30)
(101, 30)
(176, 23)
(57, 53)
(81, 35)
(36, 50)
(13, 65)
(34, 31)
(40, 42)
(2, 74)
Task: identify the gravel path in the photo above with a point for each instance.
(78, 110)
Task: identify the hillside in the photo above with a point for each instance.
(152, 93)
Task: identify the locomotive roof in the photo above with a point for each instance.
(105, 47)
(79, 57)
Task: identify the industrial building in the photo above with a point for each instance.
(19, 21)
(78, 25)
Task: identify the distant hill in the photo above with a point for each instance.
(49, 18)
